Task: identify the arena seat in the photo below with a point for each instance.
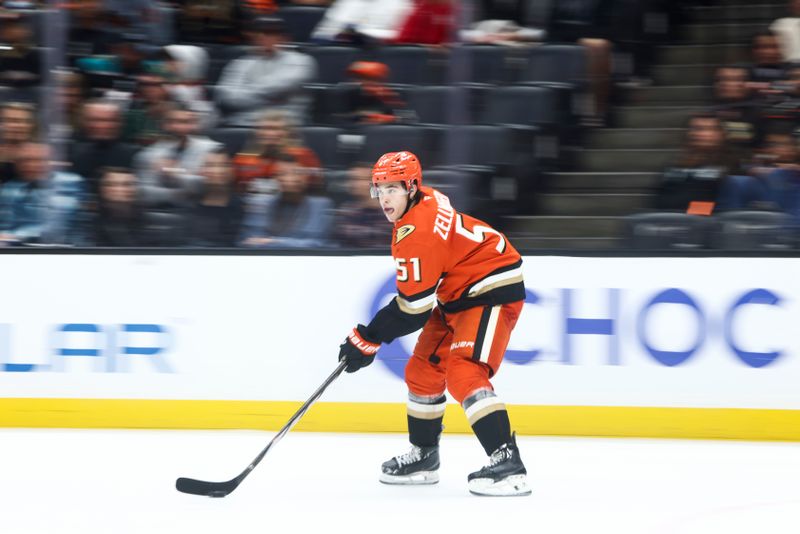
(332, 61)
(521, 106)
(555, 63)
(753, 230)
(234, 139)
(433, 104)
(667, 230)
(481, 64)
(324, 141)
(301, 20)
(410, 65)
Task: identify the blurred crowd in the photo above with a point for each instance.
(742, 152)
(188, 123)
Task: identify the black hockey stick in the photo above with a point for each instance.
(221, 489)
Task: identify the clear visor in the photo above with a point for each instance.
(387, 190)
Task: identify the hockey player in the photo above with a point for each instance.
(476, 276)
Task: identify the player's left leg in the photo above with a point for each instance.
(480, 339)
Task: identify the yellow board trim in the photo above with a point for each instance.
(618, 421)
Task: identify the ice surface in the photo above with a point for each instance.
(123, 481)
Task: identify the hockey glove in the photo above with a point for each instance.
(357, 351)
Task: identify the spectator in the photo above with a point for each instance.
(358, 223)
(362, 21)
(150, 19)
(169, 170)
(144, 119)
(215, 219)
(778, 151)
(787, 109)
(289, 219)
(130, 53)
(100, 144)
(772, 175)
(780, 171)
(734, 105)
(70, 96)
(275, 136)
(189, 65)
(502, 22)
(20, 62)
(500, 32)
(636, 28)
(17, 126)
(270, 77)
(90, 30)
(430, 22)
(702, 170)
(372, 101)
(586, 22)
(768, 69)
(788, 31)
(120, 218)
(102, 74)
(43, 206)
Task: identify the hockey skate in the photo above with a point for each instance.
(504, 476)
(418, 466)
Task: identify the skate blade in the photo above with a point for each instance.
(513, 486)
(423, 477)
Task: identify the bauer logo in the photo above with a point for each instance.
(102, 348)
(395, 355)
(638, 326)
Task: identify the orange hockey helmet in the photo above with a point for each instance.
(397, 167)
(370, 70)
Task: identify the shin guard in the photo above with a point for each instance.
(489, 419)
(425, 414)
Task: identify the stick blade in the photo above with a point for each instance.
(208, 489)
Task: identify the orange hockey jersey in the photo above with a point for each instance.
(445, 256)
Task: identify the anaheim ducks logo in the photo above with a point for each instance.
(403, 232)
